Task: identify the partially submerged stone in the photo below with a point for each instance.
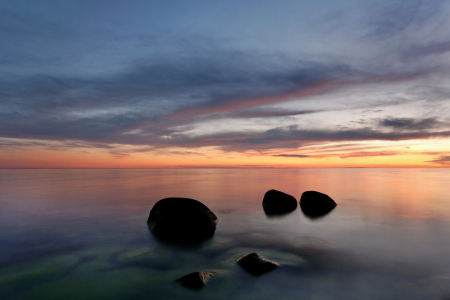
(256, 265)
(314, 204)
(276, 202)
(182, 220)
(195, 280)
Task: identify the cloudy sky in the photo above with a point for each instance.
(277, 83)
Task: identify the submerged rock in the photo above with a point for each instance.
(276, 202)
(256, 265)
(315, 204)
(182, 220)
(195, 280)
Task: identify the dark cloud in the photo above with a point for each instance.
(185, 153)
(120, 155)
(431, 48)
(291, 137)
(291, 155)
(410, 123)
(396, 16)
(88, 145)
(441, 160)
(258, 112)
(268, 113)
(369, 154)
(21, 144)
(343, 148)
(294, 133)
(158, 94)
(136, 74)
(49, 107)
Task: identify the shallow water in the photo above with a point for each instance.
(82, 234)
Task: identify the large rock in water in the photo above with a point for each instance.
(276, 202)
(315, 204)
(256, 265)
(195, 280)
(182, 220)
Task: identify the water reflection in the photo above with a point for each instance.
(61, 231)
(388, 192)
(315, 215)
(275, 215)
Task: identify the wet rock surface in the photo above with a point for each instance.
(276, 203)
(314, 204)
(256, 264)
(195, 280)
(182, 220)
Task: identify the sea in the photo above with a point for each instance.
(82, 234)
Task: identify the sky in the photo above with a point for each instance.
(279, 83)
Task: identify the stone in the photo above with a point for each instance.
(256, 265)
(276, 202)
(314, 204)
(195, 280)
(182, 220)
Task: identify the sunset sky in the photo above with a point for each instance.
(235, 83)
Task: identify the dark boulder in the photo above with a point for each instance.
(276, 202)
(195, 280)
(256, 265)
(182, 220)
(315, 204)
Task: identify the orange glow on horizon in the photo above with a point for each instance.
(391, 155)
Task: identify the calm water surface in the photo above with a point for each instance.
(82, 234)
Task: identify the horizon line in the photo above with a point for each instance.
(231, 167)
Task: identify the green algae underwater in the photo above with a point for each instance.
(82, 234)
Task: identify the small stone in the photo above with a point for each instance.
(195, 280)
(256, 265)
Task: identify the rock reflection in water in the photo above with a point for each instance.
(81, 234)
